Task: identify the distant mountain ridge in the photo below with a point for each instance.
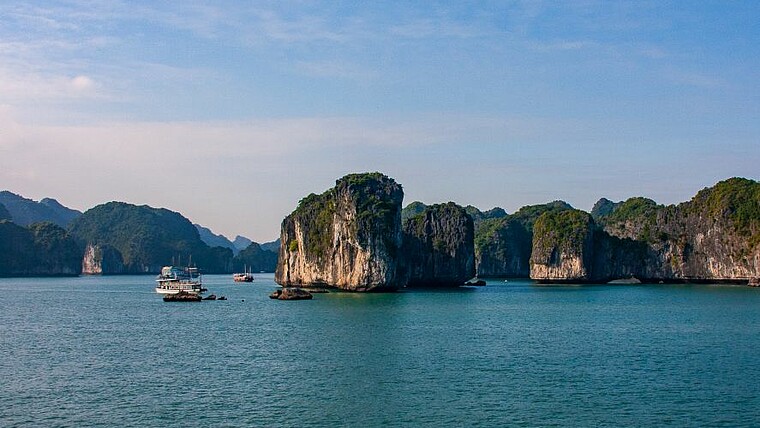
(253, 256)
(25, 211)
(213, 240)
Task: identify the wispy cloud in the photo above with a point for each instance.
(336, 69)
(697, 80)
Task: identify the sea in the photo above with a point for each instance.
(107, 351)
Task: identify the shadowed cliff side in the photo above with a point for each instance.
(438, 247)
(715, 236)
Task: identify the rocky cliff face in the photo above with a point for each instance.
(503, 244)
(438, 247)
(713, 237)
(348, 237)
(503, 249)
(562, 246)
(102, 260)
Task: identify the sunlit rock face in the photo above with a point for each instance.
(714, 237)
(349, 237)
(101, 259)
(562, 246)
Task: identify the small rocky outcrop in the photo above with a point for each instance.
(562, 247)
(291, 293)
(182, 296)
(438, 247)
(349, 237)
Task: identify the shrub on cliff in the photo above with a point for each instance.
(736, 200)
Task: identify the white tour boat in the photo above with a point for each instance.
(173, 279)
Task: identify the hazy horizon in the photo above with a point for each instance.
(230, 113)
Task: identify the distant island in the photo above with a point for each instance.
(47, 239)
(356, 236)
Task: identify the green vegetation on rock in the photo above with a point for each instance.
(316, 213)
(735, 199)
(569, 229)
(528, 215)
(412, 210)
(503, 244)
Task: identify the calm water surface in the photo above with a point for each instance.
(107, 351)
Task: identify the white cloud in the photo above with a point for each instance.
(82, 83)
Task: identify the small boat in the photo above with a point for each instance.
(173, 280)
(246, 276)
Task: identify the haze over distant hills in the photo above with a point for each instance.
(25, 211)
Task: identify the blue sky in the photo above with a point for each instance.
(230, 112)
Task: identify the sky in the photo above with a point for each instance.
(230, 112)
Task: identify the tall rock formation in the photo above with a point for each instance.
(348, 237)
(562, 246)
(438, 247)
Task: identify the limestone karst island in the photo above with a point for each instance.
(357, 237)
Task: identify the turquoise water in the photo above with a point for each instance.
(107, 351)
